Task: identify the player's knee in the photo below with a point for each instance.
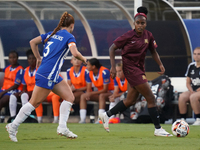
(83, 97)
(71, 98)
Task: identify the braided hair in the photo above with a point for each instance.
(65, 21)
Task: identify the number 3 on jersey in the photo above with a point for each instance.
(48, 48)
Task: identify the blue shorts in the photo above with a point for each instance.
(46, 83)
(9, 92)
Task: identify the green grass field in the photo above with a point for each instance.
(94, 137)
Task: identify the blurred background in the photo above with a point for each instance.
(174, 24)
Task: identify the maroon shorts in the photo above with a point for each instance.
(135, 76)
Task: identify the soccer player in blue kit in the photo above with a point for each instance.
(57, 45)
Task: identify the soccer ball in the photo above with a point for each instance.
(180, 128)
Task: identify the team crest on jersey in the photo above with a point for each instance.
(18, 81)
(49, 83)
(192, 72)
(146, 41)
(106, 80)
(144, 77)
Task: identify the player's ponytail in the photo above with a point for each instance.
(65, 21)
(142, 11)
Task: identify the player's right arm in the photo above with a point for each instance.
(112, 49)
(34, 46)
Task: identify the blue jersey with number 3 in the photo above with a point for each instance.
(55, 50)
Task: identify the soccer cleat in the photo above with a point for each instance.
(12, 132)
(105, 120)
(65, 132)
(197, 122)
(161, 132)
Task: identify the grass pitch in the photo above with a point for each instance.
(94, 137)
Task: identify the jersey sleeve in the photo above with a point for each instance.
(86, 73)
(115, 82)
(121, 40)
(23, 81)
(88, 78)
(187, 74)
(71, 40)
(68, 76)
(106, 76)
(19, 76)
(152, 43)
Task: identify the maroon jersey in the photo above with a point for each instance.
(134, 50)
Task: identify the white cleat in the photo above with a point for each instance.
(105, 120)
(12, 132)
(197, 122)
(65, 132)
(161, 132)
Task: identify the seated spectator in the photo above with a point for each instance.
(76, 78)
(12, 79)
(120, 86)
(193, 84)
(28, 82)
(99, 76)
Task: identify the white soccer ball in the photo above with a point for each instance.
(180, 128)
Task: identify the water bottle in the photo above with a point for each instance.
(92, 119)
(161, 92)
(176, 96)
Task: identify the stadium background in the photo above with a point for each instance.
(107, 22)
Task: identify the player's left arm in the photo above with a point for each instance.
(73, 49)
(155, 55)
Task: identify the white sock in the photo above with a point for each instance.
(64, 113)
(55, 118)
(100, 111)
(24, 112)
(13, 105)
(112, 104)
(24, 98)
(39, 119)
(83, 114)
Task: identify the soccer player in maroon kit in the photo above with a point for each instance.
(134, 45)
